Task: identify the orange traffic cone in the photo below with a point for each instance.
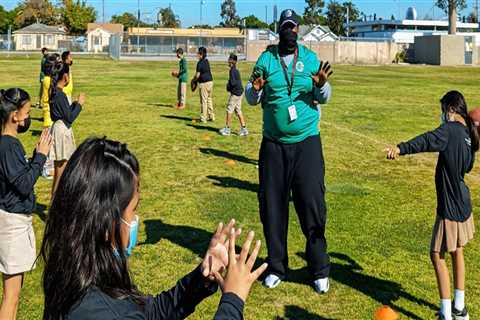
(385, 313)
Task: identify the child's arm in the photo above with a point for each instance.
(433, 141)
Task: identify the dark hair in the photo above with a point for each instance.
(44, 50)
(454, 101)
(65, 55)
(52, 64)
(60, 69)
(233, 57)
(83, 227)
(180, 51)
(203, 52)
(11, 100)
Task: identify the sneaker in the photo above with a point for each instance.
(211, 118)
(322, 285)
(202, 120)
(272, 281)
(243, 132)
(180, 106)
(460, 315)
(225, 131)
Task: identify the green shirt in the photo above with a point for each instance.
(183, 71)
(277, 125)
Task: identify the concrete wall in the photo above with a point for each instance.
(444, 50)
(342, 52)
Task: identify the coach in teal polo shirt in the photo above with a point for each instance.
(289, 81)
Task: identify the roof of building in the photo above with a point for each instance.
(109, 27)
(306, 30)
(190, 32)
(438, 23)
(40, 28)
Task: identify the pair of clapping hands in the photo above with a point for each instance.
(233, 272)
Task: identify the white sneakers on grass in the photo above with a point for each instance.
(227, 131)
(320, 285)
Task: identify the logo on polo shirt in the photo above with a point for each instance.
(300, 66)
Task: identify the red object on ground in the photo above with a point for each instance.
(385, 313)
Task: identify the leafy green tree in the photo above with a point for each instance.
(252, 22)
(337, 16)
(76, 15)
(128, 20)
(32, 11)
(451, 7)
(313, 12)
(168, 19)
(229, 14)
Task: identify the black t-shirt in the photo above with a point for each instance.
(203, 66)
(60, 109)
(234, 85)
(18, 176)
(176, 303)
(452, 141)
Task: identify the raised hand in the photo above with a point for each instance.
(216, 258)
(392, 153)
(240, 278)
(81, 99)
(44, 143)
(257, 80)
(324, 72)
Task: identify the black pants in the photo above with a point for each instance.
(298, 168)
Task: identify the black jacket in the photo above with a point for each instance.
(452, 141)
(18, 176)
(234, 85)
(203, 66)
(176, 303)
(60, 109)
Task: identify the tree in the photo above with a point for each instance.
(229, 14)
(451, 7)
(127, 19)
(252, 22)
(313, 12)
(76, 15)
(32, 11)
(4, 20)
(168, 19)
(337, 16)
(472, 17)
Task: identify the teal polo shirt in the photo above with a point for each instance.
(277, 125)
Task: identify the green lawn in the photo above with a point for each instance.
(380, 214)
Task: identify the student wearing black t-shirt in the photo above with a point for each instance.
(204, 78)
(17, 200)
(91, 232)
(456, 141)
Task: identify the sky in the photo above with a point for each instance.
(189, 10)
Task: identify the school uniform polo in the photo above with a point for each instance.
(183, 71)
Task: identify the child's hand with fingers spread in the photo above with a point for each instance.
(240, 278)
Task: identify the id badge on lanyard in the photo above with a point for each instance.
(292, 109)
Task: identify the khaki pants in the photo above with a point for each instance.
(206, 101)
(234, 104)
(182, 93)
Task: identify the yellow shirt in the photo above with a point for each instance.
(68, 90)
(47, 121)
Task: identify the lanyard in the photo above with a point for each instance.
(285, 71)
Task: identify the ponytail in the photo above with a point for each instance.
(11, 100)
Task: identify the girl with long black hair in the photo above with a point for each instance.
(92, 228)
(17, 200)
(456, 141)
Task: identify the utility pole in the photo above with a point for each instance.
(348, 21)
(103, 11)
(138, 26)
(266, 14)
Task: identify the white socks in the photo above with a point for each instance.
(459, 299)
(446, 308)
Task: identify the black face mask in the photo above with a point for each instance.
(24, 128)
(288, 41)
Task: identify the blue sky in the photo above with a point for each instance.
(189, 10)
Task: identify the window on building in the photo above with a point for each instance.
(97, 40)
(49, 40)
(27, 39)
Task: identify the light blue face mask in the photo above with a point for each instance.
(443, 118)
(132, 242)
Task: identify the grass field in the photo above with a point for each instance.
(380, 214)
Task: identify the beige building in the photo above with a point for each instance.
(37, 36)
(98, 35)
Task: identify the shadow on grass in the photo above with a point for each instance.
(229, 182)
(164, 105)
(228, 155)
(348, 272)
(205, 128)
(41, 211)
(176, 117)
(36, 133)
(297, 313)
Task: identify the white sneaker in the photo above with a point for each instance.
(243, 132)
(322, 285)
(225, 131)
(271, 281)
